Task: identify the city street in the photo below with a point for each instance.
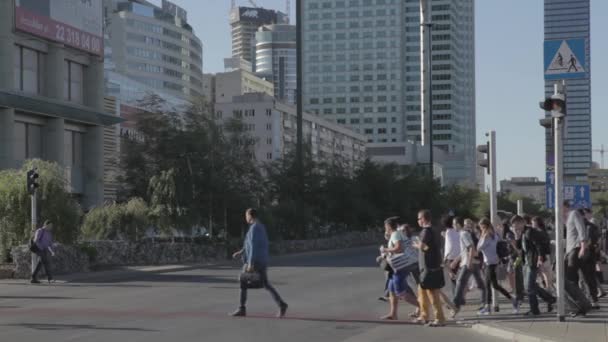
(332, 297)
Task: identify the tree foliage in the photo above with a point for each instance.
(119, 221)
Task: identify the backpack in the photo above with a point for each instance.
(544, 242)
(593, 231)
(502, 249)
(475, 239)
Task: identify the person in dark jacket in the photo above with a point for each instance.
(532, 241)
(255, 257)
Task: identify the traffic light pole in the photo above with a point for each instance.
(559, 208)
(34, 211)
(493, 199)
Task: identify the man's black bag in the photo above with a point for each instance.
(251, 280)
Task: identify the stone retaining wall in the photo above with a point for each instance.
(96, 254)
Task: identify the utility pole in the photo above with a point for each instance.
(300, 104)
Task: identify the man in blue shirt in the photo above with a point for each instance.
(255, 257)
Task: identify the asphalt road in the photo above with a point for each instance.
(332, 297)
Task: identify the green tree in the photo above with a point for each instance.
(120, 221)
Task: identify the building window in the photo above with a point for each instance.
(29, 70)
(268, 156)
(28, 141)
(73, 85)
(73, 149)
(268, 112)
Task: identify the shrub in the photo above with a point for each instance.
(124, 221)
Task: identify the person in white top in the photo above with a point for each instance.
(398, 287)
(451, 249)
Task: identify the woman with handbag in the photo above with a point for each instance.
(402, 260)
(487, 246)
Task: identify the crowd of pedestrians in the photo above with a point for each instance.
(471, 255)
(466, 255)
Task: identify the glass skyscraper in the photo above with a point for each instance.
(361, 61)
(570, 20)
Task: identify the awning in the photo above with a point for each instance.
(54, 108)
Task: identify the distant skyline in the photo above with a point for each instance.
(509, 71)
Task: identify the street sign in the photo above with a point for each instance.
(565, 59)
(550, 189)
(578, 195)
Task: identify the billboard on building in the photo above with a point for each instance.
(256, 15)
(75, 23)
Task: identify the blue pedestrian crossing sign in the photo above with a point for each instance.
(565, 59)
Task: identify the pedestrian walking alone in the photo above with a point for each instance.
(431, 272)
(255, 257)
(488, 246)
(41, 246)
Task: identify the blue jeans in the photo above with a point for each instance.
(462, 281)
(531, 273)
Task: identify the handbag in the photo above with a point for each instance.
(251, 280)
(33, 246)
(431, 279)
(398, 261)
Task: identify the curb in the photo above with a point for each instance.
(508, 334)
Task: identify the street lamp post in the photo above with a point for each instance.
(426, 79)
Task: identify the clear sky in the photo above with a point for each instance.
(509, 57)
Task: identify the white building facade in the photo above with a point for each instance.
(273, 126)
(362, 70)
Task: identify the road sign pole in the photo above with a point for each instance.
(559, 215)
(520, 207)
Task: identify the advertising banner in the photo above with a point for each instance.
(75, 23)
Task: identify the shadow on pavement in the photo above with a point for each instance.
(354, 258)
(38, 297)
(164, 277)
(44, 326)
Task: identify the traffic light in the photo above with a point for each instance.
(556, 104)
(485, 149)
(32, 181)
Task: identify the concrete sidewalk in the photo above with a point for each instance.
(545, 328)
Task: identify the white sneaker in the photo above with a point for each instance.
(484, 312)
(516, 306)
